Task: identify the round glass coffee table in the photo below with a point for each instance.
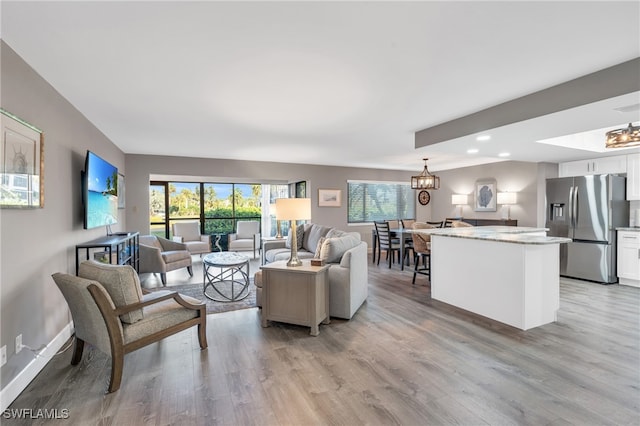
(226, 276)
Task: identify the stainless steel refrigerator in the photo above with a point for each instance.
(587, 209)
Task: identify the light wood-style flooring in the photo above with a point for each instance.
(403, 359)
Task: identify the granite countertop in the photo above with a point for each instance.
(506, 234)
(629, 228)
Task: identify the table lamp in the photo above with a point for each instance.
(506, 199)
(293, 209)
(459, 200)
(274, 211)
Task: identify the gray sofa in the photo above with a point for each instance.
(346, 254)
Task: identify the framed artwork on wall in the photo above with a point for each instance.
(485, 195)
(21, 163)
(329, 198)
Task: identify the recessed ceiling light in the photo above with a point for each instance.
(483, 137)
(504, 154)
(472, 151)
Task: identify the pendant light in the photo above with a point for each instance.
(624, 138)
(425, 180)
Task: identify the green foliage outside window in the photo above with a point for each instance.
(219, 206)
(368, 202)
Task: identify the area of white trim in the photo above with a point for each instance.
(22, 380)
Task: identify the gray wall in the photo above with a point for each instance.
(524, 178)
(141, 167)
(527, 179)
(35, 243)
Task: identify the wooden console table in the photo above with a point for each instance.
(295, 295)
(120, 249)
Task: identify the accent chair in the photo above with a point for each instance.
(159, 255)
(246, 237)
(188, 233)
(111, 313)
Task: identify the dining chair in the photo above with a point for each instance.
(407, 223)
(436, 224)
(421, 250)
(393, 224)
(385, 242)
(408, 241)
(460, 224)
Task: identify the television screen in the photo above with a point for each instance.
(101, 192)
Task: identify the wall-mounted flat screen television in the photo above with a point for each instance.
(100, 192)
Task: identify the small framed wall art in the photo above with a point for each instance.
(329, 198)
(21, 163)
(485, 195)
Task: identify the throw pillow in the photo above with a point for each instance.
(312, 234)
(333, 248)
(299, 237)
(319, 248)
(333, 232)
(121, 282)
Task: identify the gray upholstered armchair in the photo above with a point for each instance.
(188, 233)
(111, 312)
(246, 238)
(159, 255)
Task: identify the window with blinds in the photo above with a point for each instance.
(370, 201)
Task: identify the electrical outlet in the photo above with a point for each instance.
(18, 343)
(3, 355)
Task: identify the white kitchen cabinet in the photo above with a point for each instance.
(629, 258)
(595, 166)
(633, 177)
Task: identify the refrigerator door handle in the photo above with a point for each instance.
(571, 207)
(575, 206)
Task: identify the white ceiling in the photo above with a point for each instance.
(337, 83)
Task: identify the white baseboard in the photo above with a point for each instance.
(10, 392)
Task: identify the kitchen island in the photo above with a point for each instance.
(509, 274)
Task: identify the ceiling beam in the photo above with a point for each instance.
(610, 82)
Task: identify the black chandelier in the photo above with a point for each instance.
(425, 180)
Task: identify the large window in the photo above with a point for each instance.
(217, 206)
(157, 208)
(370, 201)
(227, 203)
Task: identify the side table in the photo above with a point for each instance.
(295, 295)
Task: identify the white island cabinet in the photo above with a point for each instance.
(629, 256)
(508, 274)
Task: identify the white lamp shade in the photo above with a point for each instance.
(507, 198)
(459, 199)
(293, 208)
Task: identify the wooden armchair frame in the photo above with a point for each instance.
(114, 326)
(119, 348)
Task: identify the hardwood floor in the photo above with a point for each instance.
(403, 359)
